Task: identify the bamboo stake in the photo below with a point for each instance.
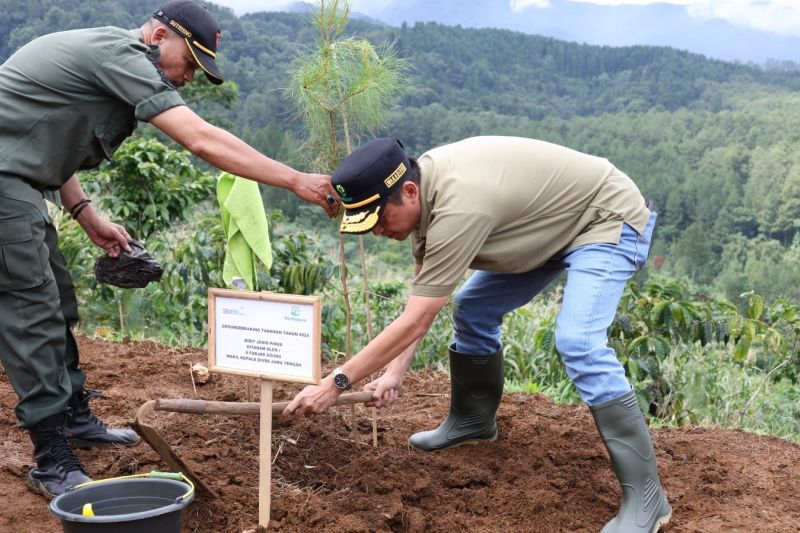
(367, 303)
(346, 295)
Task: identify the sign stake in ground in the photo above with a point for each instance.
(269, 337)
(265, 456)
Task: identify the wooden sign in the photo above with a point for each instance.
(272, 337)
(264, 335)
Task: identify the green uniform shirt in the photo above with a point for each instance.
(69, 99)
(508, 204)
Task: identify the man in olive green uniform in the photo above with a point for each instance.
(67, 101)
(518, 212)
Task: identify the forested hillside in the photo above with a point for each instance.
(710, 142)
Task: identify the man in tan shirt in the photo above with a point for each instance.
(519, 212)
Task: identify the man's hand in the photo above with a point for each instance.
(105, 234)
(313, 399)
(231, 154)
(317, 189)
(386, 389)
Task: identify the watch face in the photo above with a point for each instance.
(341, 380)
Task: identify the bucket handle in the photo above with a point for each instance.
(177, 476)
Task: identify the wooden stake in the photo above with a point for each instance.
(250, 389)
(265, 456)
(374, 427)
(364, 272)
(353, 428)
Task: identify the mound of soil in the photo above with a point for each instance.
(548, 471)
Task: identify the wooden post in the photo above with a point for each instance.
(289, 351)
(265, 456)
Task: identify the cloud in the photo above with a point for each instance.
(636, 2)
(519, 5)
(240, 7)
(777, 16)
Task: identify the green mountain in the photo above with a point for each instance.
(466, 69)
(710, 142)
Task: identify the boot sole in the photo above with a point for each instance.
(87, 445)
(39, 488)
(456, 445)
(663, 521)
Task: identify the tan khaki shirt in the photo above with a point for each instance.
(509, 204)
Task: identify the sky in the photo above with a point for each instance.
(776, 16)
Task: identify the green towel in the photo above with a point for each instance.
(245, 226)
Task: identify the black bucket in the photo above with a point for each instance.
(126, 505)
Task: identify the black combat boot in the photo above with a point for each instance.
(57, 467)
(476, 387)
(84, 430)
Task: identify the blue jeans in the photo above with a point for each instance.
(596, 277)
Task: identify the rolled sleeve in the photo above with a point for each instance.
(128, 73)
(433, 291)
(157, 104)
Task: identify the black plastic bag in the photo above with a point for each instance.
(130, 270)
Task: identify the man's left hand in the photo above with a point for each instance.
(386, 389)
(107, 235)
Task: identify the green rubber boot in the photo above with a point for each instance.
(644, 505)
(476, 386)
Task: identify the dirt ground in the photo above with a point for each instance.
(547, 472)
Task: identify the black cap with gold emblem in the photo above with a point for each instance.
(365, 179)
(194, 23)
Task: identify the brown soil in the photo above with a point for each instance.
(547, 472)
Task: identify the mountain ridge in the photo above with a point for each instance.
(658, 24)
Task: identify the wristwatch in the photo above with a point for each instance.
(340, 379)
